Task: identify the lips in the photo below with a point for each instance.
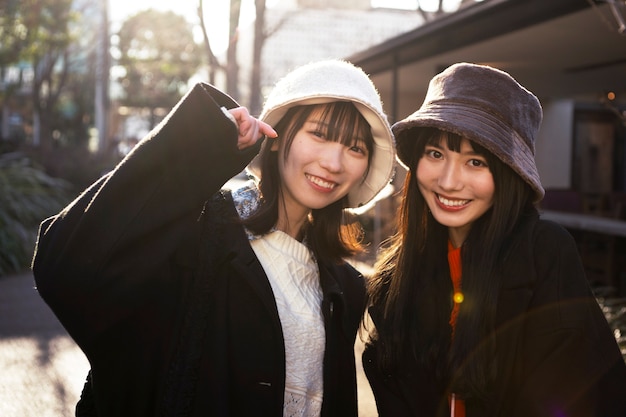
(321, 183)
(451, 203)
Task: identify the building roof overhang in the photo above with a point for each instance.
(556, 48)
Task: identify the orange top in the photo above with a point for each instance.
(454, 261)
(457, 405)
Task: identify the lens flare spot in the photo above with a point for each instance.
(458, 297)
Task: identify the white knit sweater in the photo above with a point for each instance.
(294, 277)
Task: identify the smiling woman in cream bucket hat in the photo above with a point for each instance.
(190, 298)
(330, 81)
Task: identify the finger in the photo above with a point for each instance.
(266, 130)
(253, 131)
(248, 134)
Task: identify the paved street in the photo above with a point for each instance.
(42, 370)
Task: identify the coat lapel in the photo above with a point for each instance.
(249, 268)
(242, 259)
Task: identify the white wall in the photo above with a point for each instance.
(553, 149)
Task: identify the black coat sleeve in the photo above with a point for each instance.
(388, 391)
(556, 354)
(112, 247)
(406, 391)
(570, 362)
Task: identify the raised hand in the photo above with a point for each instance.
(250, 128)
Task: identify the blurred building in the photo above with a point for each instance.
(309, 30)
(16, 79)
(572, 55)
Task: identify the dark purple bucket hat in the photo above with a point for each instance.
(485, 105)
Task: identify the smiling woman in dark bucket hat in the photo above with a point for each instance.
(486, 106)
(479, 307)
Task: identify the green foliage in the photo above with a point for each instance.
(48, 24)
(13, 33)
(158, 54)
(27, 196)
(39, 47)
(32, 28)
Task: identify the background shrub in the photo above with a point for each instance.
(27, 196)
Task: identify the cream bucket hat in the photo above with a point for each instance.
(335, 80)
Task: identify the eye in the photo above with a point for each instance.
(433, 153)
(359, 148)
(320, 134)
(477, 163)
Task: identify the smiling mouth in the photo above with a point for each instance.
(320, 182)
(452, 203)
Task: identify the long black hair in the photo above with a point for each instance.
(412, 291)
(331, 232)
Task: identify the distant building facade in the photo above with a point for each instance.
(309, 30)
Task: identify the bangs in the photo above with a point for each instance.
(342, 122)
(453, 142)
(339, 121)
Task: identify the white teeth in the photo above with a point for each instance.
(321, 182)
(452, 203)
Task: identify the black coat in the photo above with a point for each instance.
(164, 294)
(556, 355)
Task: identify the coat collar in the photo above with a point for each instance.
(243, 259)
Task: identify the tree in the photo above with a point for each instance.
(37, 32)
(14, 32)
(261, 34)
(257, 52)
(231, 67)
(50, 40)
(49, 22)
(13, 37)
(158, 55)
(214, 63)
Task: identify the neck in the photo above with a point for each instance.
(292, 225)
(458, 235)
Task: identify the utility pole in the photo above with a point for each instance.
(102, 78)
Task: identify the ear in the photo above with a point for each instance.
(275, 144)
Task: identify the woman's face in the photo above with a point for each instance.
(318, 171)
(457, 186)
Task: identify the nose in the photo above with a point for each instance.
(450, 176)
(331, 157)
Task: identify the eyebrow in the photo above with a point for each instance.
(317, 122)
(441, 146)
